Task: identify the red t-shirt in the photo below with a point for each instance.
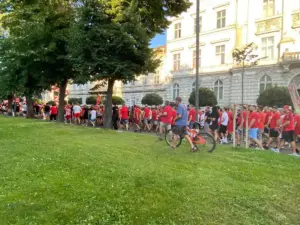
(124, 113)
(274, 119)
(268, 115)
(297, 127)
(174, 114)
(262, 118)
(256, 117)
(146, 112)
(154, 114)
(167, 119)
(53, 110)
(137, 113)
(290, 126)
(192, 113)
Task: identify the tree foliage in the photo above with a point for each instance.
(275, 96)
(152, 99)
(206, 97)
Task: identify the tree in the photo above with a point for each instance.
(206, 97)
(244, 58)
(117, 100)
(152, 99)
(75, 100)
(91, 100)
(275, 96)
(111, 44)
(38, 38)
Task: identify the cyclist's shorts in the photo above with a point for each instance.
(180, 130)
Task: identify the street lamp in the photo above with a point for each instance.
(197, 57)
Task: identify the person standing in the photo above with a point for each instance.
(191, 116)
(93, 116)
(24, 109)
(146, 116)
(223, 127)
(253, 126)
(181, 122)
(115, 116)
(165, 120)
(53, 112)
(124, 114)
(214, 122)
(288, 133)
(207, 119)
(47, 112)
(273, 125)
(68, 114)
(77, 113)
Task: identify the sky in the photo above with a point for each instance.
(158, 40)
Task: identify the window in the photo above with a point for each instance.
(221, 19)
(220, 54)
(267, 49)
(177, 30)
(265, 83)
(218, 89)
(269, 8)
(175, 91)
(200, 24)
(176, 62)
(156, 78)
(194, 58)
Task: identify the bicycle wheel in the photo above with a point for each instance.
(172, 139)
(205, 142)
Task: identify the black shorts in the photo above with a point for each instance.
(274, 133)
(179, 130)
(266, 130)
(223, 129)
(213, 127)
(288, 136)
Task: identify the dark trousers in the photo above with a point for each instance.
(115, 122)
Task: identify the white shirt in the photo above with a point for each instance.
(24, 108)
(202, 120)
(93, 114)
(76, 109)
(224, 119)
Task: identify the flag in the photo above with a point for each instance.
(98, 100)
(294, 96)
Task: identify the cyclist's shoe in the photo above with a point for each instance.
(194, 149)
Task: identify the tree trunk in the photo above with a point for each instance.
(108, 105)
(29, 102)
(62, 95)
(9, 106)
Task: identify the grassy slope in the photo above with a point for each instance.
(56, 174)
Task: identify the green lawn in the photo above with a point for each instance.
(57, 174)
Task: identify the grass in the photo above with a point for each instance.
(57, 174)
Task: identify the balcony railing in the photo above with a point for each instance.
(296, 19)
(291, 56)
(268, 25)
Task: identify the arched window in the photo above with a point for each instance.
(194, 86)
(265, 83)
(218, 89)
(175, 91)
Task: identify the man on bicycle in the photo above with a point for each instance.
(181, 122)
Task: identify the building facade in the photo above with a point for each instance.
(272, 25)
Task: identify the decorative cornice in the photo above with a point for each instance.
(177, 49)
(194, 45)
(221, 5)
(176, 19)
(220, 40)
(194, 14)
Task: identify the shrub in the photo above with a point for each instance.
(152, 99)
(206, 97)
(275, 96)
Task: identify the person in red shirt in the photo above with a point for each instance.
(147, 117)
(230, 121)
(261, 123)
(191, 116)
(124, 115)
(53, 112)
(288, 133)
(273, 124)
(297, 125)
(68, 114)
(174, 114)
(137, 117)
(165, 120)
(242, 121)
(253, 121)
(154, 122)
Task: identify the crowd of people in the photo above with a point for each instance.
(268, 128)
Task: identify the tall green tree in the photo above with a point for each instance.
(38, 36)
(112, 39)
(275, 96)
(206, 97)
(110, 45)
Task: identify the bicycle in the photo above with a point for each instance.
(202, 140)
